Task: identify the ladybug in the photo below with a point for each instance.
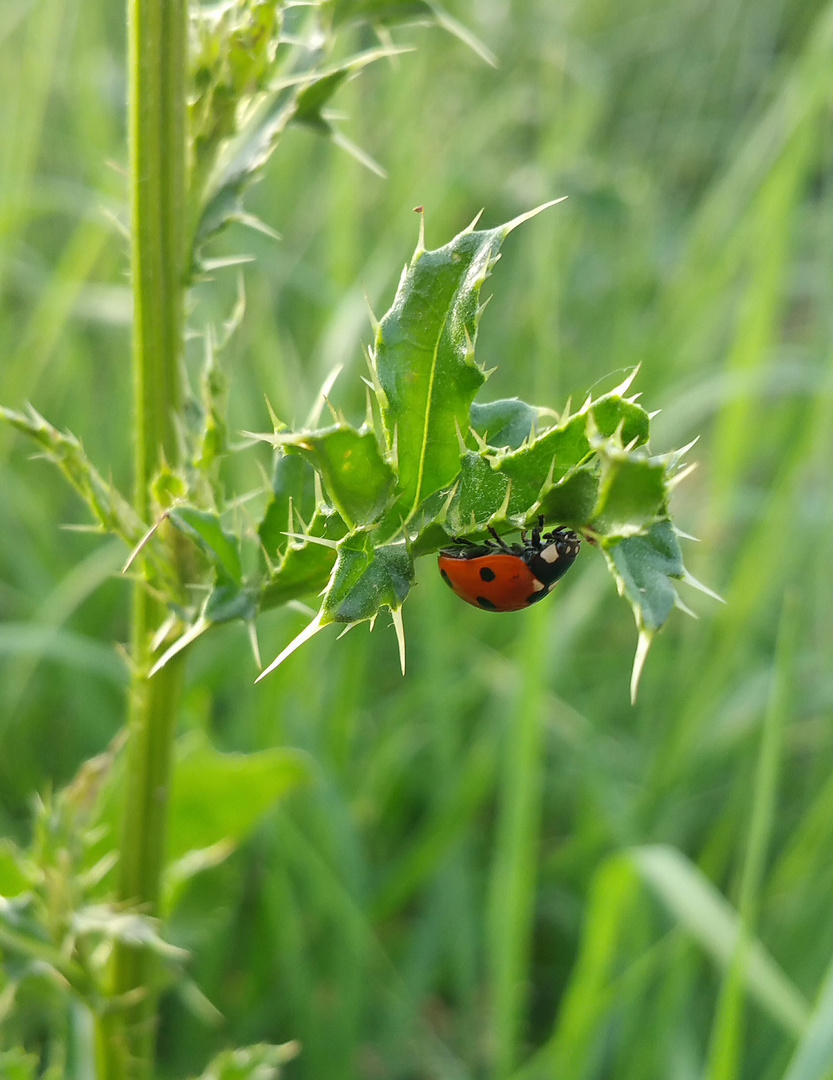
(497, 576)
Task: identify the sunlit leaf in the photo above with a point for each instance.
(355, 475)
(423, 359)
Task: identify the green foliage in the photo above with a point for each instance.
(58, 924)
(426, 471)
(261, 1062)
(370, 915)
(430, 472)
(112, 512)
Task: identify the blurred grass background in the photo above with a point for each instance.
(451, 898)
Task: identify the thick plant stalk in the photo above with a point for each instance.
(157, 31)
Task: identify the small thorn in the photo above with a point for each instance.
(322, 541)
(678, 603)
(131, 558)
(252, 631)
(689, 579)
(461, 442)
(531, 214)
(502, 512)
(624, 386)
(469, 344)
(277, 424)
(688, 446)
(191, 634)
(339, 139)
(471, 227)
(374, 322)
(420, 248)
(642, 647)
(251, 221)
(323, 395)
(308, 632)
(678, 478)
(399, 627)
(482, 445)
(163, 631)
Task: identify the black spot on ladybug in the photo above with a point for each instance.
(486, 603)
(487, 574)
(445, 577)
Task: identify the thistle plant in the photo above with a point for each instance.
(348, 513)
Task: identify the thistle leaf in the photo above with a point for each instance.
(221, 548)
(504, 424)
(357, 478)
(366, 579)
(423, 359)
(645, 568)
(107, 505)
(262, 1061)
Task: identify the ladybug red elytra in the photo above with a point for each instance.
(497, 576)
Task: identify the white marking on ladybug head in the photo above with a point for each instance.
(550, 553)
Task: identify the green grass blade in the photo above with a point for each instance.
(514, 872)
(709, 918)
(726, 1052)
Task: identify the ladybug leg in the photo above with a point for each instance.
(500, 541)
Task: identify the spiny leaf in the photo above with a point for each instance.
(298, 98)
(113, 512)
(293, 497)
(221, 548)
(423, 359)
(632, 491)
(230, 601)
(304, 571)
(506, 423)
(262, 1061)
(570, 500)
(358, 480)
(305, 568)
(644, 568)
(366, 579)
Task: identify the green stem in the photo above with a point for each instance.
(157, 39)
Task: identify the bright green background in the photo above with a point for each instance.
(420, 911)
